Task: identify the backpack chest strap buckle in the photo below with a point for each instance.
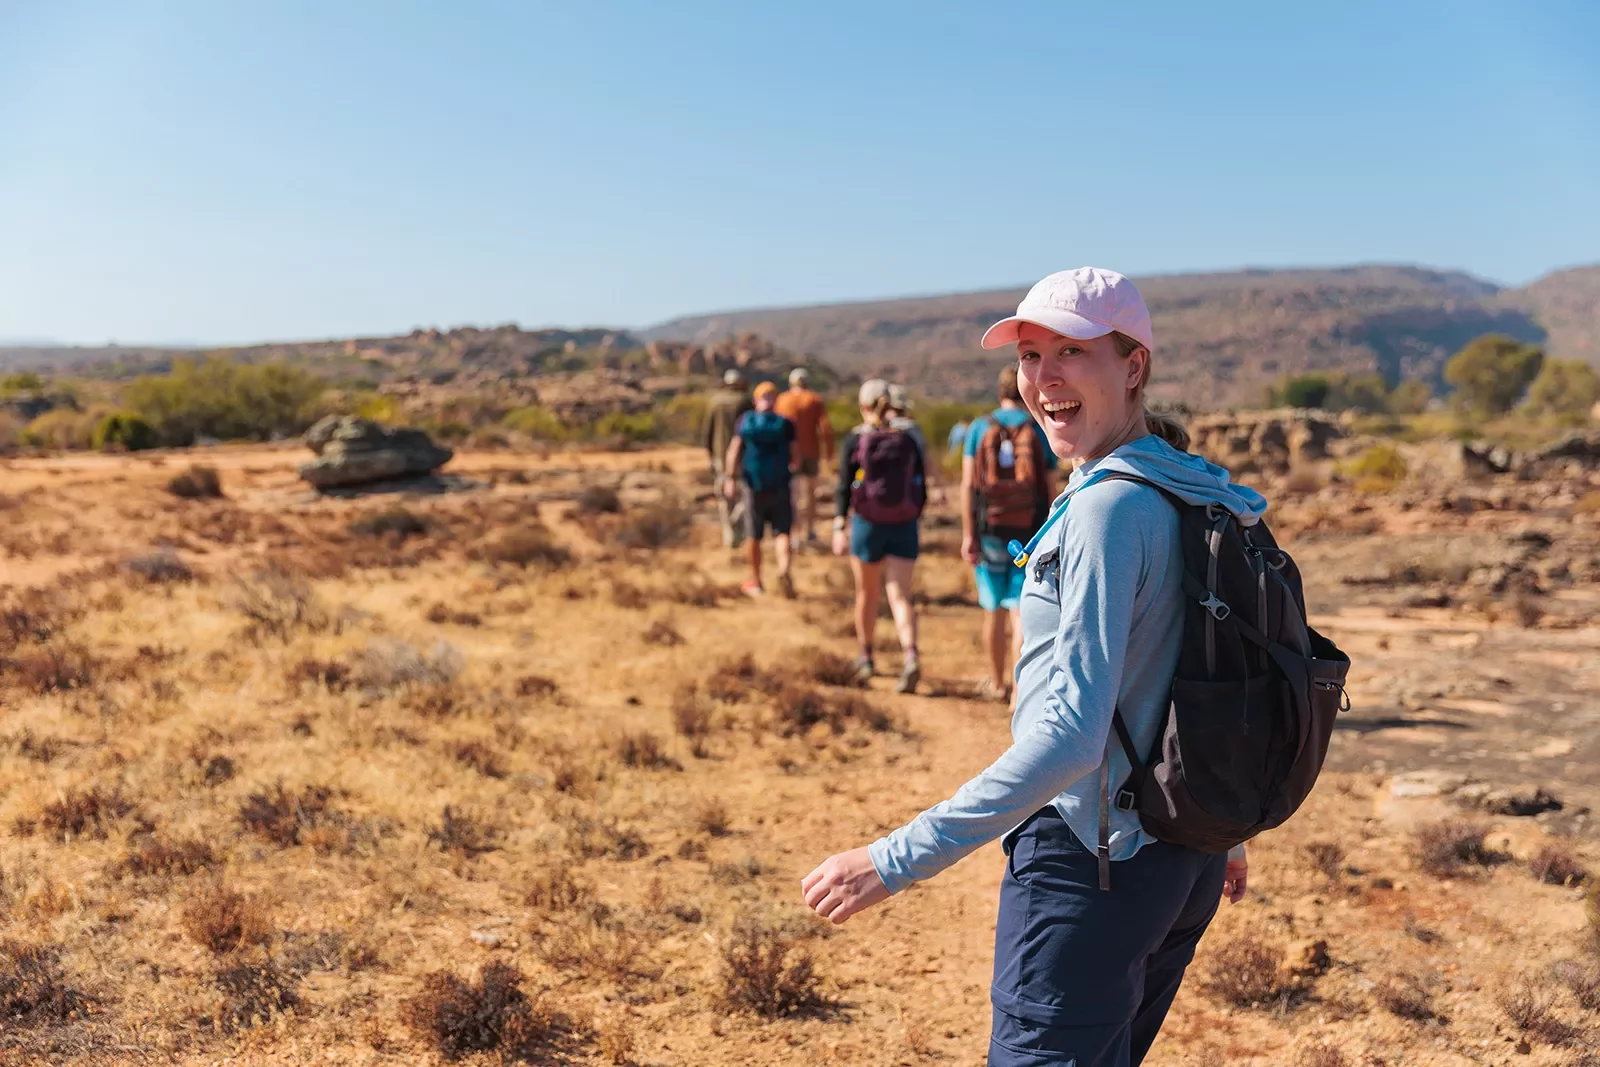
(1125, 800)
(1218, 609)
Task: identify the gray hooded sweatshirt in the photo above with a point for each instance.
(1101, 623)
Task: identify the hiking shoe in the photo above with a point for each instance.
(864, 670)
(997, 694)
(751, 589)
(910, 674)
(786, 584)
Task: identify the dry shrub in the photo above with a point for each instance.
(537, 687)
(392, 524)
(330, 674)
(800, 707)
(627, 596)
(34, 989)
(826, 668)
(54, 668)
(693, 590)
(78, 813)
(199, 482)
(492, 1014)
(385, 665)
(149, 854)
(1320, 1056)
(285, 818)
(277, 604)
(1404, 996)
(254, 992)
(1446, 847)
(219, 919)
(555, 889)
(479, 757)
(711, 816)
(615, 1039)
(1246, 973)
(658, 525)
(662, 632)
(1583, 979)
(738, 872)
(1557, 864)
(441, 614)
(766, 971)
(598, 500)
(1327, 858)
(691, 712)
(523, 547)
(463, 834)
(643, 750)
(590, 838)
(602, 950)
(732, 680)
(1529, 1003)
(161, 567)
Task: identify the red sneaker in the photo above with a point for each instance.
(751, 589)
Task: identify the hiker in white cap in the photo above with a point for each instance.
(717, 432)
(1084, 974)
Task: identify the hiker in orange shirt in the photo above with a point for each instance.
(813, 442)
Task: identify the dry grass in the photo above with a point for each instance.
(663, 633)
(1529, 1003)
(223, 921)
(464, 834)
(528, 546)
(643, 750)
(555, 890)
(80, 813)
(1556, 863)
(1452, 846)
(1246, 972)
(34, 988)
(492, 1014)
(766, 971)
(1315, 1055)
(1404, 996)
(1326, 858)
(199, 482)
(150, 854)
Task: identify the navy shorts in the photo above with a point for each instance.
(775, 509)
(871, 541)
(1084, 976)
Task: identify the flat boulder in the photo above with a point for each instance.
(353, 452)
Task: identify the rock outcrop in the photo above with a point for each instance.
(1275, 441)
(352, 452)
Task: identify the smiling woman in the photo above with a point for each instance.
(1084, 972)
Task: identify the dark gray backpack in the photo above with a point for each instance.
(1254, 696)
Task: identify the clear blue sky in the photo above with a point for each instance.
(223, 172)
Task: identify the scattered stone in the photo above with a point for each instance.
(1519, 800)
(1306, 959)
(353, 451)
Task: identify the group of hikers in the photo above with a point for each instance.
(1169, 698)
(767, 449)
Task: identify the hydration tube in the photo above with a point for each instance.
(1020, 553)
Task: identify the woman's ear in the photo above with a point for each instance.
(1138, 366)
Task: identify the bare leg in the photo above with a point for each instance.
(805, 488)
(868, 575)
(755, 559)
(994, 648)
(781, 543)
(897, 583)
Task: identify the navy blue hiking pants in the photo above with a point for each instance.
(1083, 977)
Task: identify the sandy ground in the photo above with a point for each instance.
(1472, 687)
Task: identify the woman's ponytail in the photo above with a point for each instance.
(1167, 428)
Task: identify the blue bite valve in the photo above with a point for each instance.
(1019, 553)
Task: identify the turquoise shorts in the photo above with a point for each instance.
(999, 590)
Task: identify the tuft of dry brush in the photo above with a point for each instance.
(491, 1014)
(827, 668)
(254, 992)
(643, 750)
(277, 604)
(523, 547)
(34, 989)
(199, 482)
(1557, 864)
(479, 757)
(766, 971)
(1327, 858)
(655, 526)
(1447, 847)
(223, 921)
(1582, 979)
(663, 633)
(1320, 1056)
(151, 855)
(555, 889)
(285, 818)
(54, 668)
(161, 567)
(1529, 1003)
(463, 834)
(80, 813)
(1404, 996)
(1246, 972)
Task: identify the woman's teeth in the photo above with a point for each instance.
(1063, 408)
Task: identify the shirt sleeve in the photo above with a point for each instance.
(846, 475)
(975, 431)
(1104, 542)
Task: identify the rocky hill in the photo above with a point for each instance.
(1221, 337)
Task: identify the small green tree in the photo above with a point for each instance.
(1565, 388)
(1491, 373)
(1410, 397)
(1305, 391)
(121, 430)
(1359, 392)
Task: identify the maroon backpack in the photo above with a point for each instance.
(889, 486)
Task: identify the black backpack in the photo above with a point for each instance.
(1254, 696)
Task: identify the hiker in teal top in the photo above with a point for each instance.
(1083, 976)
(1007, 484)
(761, 459)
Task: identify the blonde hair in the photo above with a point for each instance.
(1162, 425)
(877, 413)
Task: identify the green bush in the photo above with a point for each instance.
(23, 382)
(225, 400)
(1491, 373)
(1380, 464)
(1565, 388)
(1410, 397)
(124, 431)
(375, 406)
(62, 428)
(539, 423)
(1302, 391)
(682, 416)
(1366, 392)
(640, 427)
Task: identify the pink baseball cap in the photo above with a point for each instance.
(1085, 303)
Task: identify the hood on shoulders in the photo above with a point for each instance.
(1191, 478)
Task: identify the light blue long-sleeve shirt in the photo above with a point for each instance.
(1101, 627)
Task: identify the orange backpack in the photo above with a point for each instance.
(1014, 497)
